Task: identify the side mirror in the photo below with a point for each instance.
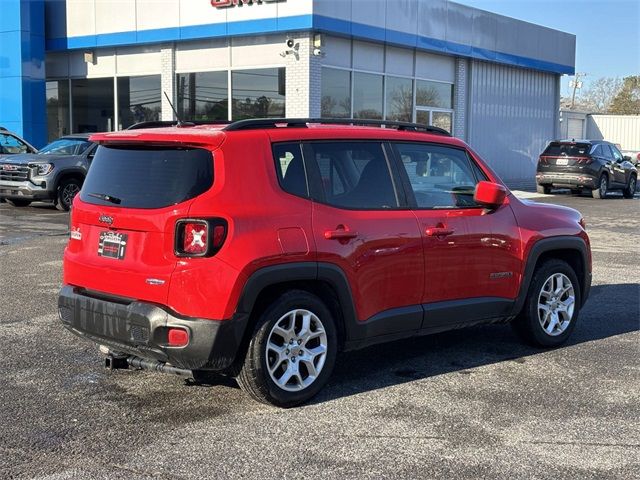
(626, 158)
(489, 195)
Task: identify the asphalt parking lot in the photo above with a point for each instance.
(467, 404)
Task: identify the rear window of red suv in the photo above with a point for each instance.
(147, 177)
(557, 149)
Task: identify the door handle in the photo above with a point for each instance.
(340, 233)
(439, 231)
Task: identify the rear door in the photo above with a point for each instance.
(619, 172)
(361, 224)
(122, 226)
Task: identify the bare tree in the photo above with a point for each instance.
(600, 94)
(627, 101)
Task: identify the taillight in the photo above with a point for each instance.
(583, 160)
(177, 337)
(199, 237)
(543, 160)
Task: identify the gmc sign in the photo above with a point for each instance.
(239, 3)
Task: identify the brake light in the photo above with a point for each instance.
(199, 238)
(195, 238)
(583, 160)
(543, 160)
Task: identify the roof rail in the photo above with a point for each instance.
(175, 123)
(304, 122)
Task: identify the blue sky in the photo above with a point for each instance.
(607, 31)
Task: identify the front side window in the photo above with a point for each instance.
(10, 144)
(616, 153)
(353, 175)
(440, 177)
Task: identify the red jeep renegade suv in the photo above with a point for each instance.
(262, 248)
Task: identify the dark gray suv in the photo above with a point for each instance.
(595, 165)
(55, 173)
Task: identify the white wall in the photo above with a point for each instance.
(622, 129)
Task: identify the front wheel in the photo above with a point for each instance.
(67, 190)
(603, 187)
(630, 191)
(551, 309)
(292, 352)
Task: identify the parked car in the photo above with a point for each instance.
(632, 155)
(55, 173)
(11, 144)
(596, 165)
(261, 249)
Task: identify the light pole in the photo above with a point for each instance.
(576, 84)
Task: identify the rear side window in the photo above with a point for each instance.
(290, 168)
(352, 175)
(150, 177)
(557, 149)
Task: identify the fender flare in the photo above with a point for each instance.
(549, 245)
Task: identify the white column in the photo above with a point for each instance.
(303, 79)
(460, 99)
(168, 80)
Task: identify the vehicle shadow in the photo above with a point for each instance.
(611, 310)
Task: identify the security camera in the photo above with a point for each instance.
(291, 42)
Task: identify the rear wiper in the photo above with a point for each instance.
(105, 197)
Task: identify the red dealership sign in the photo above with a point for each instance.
(233, 3)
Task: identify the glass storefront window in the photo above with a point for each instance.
(442, 120)
(367, 96)
(57, 109)
(92, 105)
(434, 94)
(258, 93)
(138, 100)
(203, 95)
(336, 93)
(399, 93)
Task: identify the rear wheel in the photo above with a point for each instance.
(543, 189)
(551, 310)
(292, 352)
(603, 187)
(67, 190)
(19, 203)
(630, 191)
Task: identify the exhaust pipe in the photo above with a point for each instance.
(123, 362)
(154, 365)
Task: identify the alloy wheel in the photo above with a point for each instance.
(556, 304)
(70, 190)
(603, 186)
(296, 350)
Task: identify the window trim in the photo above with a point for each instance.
(314, 178)
(406, 182)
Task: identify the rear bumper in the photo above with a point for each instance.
(140, 328)
(25, 190)
(568, 180)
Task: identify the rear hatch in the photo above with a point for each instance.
(123, 224)
(565, 157)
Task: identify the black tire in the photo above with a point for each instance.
(528, 324)
(67, 190)
(603, 187)
(19, 203)
(254, 377)
(543, 189)
(630, 189)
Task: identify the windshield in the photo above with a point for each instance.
(151, 177)
(66, 146)
(10, 144)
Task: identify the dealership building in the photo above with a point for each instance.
(97, 65)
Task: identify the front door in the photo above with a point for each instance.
(465, 246)
(359, 224)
